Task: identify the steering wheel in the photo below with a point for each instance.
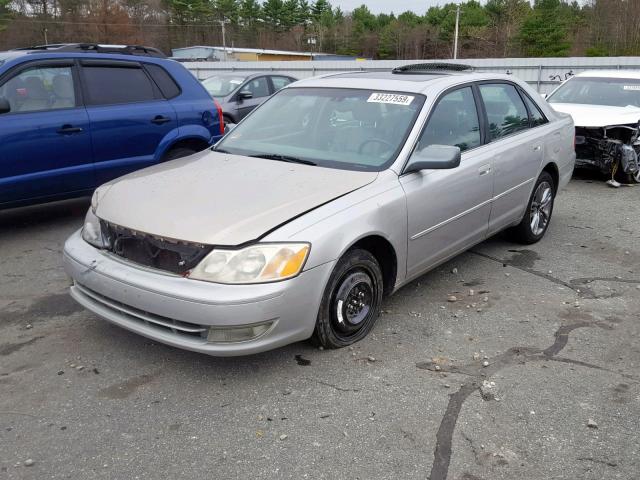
(375, 140)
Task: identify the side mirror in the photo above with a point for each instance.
(245, 94)
(434, 157)
(5, 106)
(544, 95)
(228, 127)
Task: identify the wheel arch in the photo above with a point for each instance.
(384, 253)
(195, 143)
(552, 169)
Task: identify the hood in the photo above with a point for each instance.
(598, 115)
(220, 199)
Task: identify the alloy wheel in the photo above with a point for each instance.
(540, 211)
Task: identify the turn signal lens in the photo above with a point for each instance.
(260, 263)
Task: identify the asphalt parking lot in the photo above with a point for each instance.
(533, 376)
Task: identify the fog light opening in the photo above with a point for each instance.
(238, 334)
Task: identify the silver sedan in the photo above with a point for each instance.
(334, 193)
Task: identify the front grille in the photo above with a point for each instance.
(177, 327)
(153, 251)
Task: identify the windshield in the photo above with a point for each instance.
(222, 85)
(331, 127)
(615, 92)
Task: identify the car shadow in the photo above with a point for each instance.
(588, 175)
(43, 215)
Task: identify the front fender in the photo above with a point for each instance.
(377, 209)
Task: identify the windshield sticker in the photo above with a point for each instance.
(391, 98)
(631, 87)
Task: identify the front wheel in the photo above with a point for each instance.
(538, 215)
(351, 301)
(626, 178)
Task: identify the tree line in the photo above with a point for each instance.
(497, 28)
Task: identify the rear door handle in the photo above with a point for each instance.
(159, 120)
(68, 130)
(483, 170)
(536, 148)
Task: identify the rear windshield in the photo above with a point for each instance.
(331, 127)
(615, 92)
(222, 85)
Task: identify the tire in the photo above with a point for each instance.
(626, 178)
(529, 230)
(351, 301)
(178, 152)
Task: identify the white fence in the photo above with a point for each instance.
(542, 73)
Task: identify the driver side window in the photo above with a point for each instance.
(454, 122)
(258, 87)
(40, 88)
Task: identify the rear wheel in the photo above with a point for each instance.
(178, 152)
(351, 301)
(538, 215)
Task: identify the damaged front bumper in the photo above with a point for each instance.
(612, 149)
(191, 314)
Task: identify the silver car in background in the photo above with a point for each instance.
(239, 93)
(335, 192)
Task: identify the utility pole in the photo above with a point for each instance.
(455, 38)
(222, 23)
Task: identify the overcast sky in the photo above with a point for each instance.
(386, 6)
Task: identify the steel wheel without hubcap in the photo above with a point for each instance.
(540, 211)
(351, 301)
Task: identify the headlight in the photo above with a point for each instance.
(91, 232)
(261, 263)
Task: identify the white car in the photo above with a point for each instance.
(605, 106)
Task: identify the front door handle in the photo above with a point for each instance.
(159, 120)
(484, 170)
(68, 130)
(536, 148)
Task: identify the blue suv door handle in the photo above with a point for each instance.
(159, 120)
(69, 129)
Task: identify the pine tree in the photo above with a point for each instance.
(544, 32)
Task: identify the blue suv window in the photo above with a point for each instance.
(110, 85)
(40, 88)
(165, 82)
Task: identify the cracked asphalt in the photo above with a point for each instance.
(533, 376)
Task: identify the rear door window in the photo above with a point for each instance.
(454, 122)
(535, 115)
(506, 112)
(111, 85)
(40, 88)
(164, 80)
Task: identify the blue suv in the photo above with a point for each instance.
(74, 116)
